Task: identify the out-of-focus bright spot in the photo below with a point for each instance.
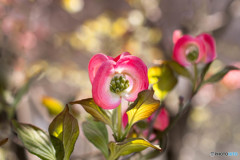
(102, 25)
(155, 35)
(136, 18)
(232, 79)
(60, 39)
(53, 105)
(150, 35)
(133, 46)
(133, 3)
(36, 68)
(212, 22)
(27, 41)
(200, 114)
(207, 144)
(8, 97)
(86, 30)
(90, 34)
(187, 153)
(142, 32)
(54, 74)
(153, 12)
(73, 6)
(74, 77)
(17, 78)
(119, 27)
(75, 41)
(154, 15)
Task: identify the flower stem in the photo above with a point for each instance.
(119, 128)
(195, 76)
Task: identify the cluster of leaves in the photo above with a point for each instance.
(64, 130)
(96, 132)
(58, 145)
(164, 79)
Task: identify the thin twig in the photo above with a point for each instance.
(154, 119)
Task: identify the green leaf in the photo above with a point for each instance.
(179, 69)
(58, 145)
(96, 133)
(219, 75)
(204, 70)
(143, 107)
(35, 140)
(163, 78)
(3, 141)
(64, 132)
(98, 113)
(150, 155)
(129, 146)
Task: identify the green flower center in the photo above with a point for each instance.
(192, 53)
(119, 84)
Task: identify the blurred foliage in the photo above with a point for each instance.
(163, 80)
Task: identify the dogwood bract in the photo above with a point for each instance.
(115, 78)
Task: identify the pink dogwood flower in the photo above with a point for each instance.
(115, 78)
(189, 49)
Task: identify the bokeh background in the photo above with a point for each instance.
(45, 47)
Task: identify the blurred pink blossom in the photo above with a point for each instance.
(232, 78)
(162, 120)
(27, 40)
(188, 49)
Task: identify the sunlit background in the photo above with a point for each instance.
(45, 47)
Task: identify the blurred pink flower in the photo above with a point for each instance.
(232, 78)
(176, 35)
(115, 78)
(162, 120)
(210, 47)
(188, 49)
(27, 40)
